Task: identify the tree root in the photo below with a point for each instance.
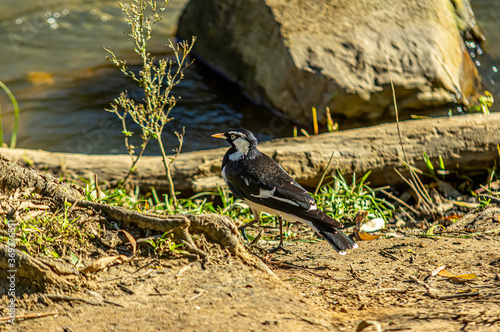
(29, 267)
(217, 228)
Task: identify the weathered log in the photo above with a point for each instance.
(461, 141)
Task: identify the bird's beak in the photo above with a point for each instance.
(219, 135)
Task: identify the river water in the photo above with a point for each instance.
(53, 60)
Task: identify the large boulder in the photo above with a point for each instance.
(293, 55)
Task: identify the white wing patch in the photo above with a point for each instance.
(224, 174)
(246, 181)
(312, 207)
(270, 194)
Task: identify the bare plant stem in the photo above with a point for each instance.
(134, 162)
(415, 184)
(156, 78)
(167, 165)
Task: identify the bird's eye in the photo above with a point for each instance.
(233, 137)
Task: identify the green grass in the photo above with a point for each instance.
(342, 200)
(339, 199)
(62, 232)
(51, 234)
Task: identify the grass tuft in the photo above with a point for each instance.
(343, 200)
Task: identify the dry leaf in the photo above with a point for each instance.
(437, 270)
(459, 278)
(364, 236)
(104, 262)
(130, 239)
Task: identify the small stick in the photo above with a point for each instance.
(126, 289)
(454, 296)
(355, 274)
(390, 290)
(110, 279)
(409, 216)
(432, 292)
(145, 266)
(198, 295)
(184, 269)
(113, 303)
(31, 316)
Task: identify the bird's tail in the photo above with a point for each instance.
(338, 240)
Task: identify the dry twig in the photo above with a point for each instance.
(31, 316)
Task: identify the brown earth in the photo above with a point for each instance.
(381, 281)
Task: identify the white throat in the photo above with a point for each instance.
(242, 147)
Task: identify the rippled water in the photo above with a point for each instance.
(52, 58)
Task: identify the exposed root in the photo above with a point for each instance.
(34, 269)
(217, 228)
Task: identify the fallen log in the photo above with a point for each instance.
(461, 141)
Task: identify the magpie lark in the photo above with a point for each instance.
(265, 186)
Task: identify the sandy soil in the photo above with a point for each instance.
(382, 281)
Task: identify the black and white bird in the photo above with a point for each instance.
(265, 186)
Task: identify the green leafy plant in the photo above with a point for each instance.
(164, 244)
(156, 78)
(484, 103)
(13, 139)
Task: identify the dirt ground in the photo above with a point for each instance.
(387, 280)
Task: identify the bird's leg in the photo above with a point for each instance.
(256, 219)
(280, 246)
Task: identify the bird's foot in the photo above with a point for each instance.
(278, 248)
(242, 228)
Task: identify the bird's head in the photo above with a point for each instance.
(241, 139)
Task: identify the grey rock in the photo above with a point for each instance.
(293, 55)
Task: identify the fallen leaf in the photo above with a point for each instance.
(437, 270)
(364, 236)
(104, 262)
(459, 277)
(130, 239)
